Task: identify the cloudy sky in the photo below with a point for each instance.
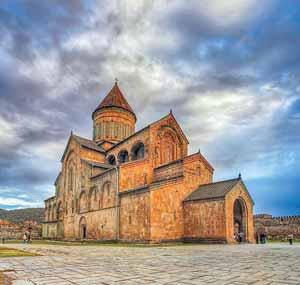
(229, 70)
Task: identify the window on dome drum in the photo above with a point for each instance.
(111, 160)
(138, 151)
(123, 156)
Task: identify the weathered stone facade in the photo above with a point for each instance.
(131, 186)
(277, 227)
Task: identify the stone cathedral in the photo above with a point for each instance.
(142, 186)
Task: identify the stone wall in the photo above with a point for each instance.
(204, 220)
(98, 206)
(100, 224)
(135, 216)
(166, 209)
(135, 174)
(277, 227)
(50, 230)
(173, 169)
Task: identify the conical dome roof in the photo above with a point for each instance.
(115, 98)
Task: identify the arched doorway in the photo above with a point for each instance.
(83, 228)
(240, 221)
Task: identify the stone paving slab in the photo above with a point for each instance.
(180, 265)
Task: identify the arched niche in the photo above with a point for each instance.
(93, 199)
(111, 159)
(138, 151)
(123, 156)
(83, 203)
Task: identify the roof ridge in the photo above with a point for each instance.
(213, 190)
(81, 137)
(222, 181)
(87, 143)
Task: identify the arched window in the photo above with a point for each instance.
(111, 160)
(54, 212)
(73, 206)
(93, 199)
(59, 211)
(83, 202)
(137, 151)
(123, 156)
(70, 179)
(49, 213)
(106, 196)
(168, 147)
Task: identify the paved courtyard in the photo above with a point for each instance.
(188, 265)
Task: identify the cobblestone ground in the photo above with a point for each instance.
(189, 265)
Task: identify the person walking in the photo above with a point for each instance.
(29, 238)
(241, 237)
(24, 238)
(290, 238)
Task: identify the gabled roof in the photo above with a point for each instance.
(115, 98)
(214, 190)
(88, 143)
(83, 142)
(97, 164)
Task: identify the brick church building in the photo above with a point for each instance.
(142, 186)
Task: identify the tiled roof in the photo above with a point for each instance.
(212, 190)
(115, 98)
(98, 164)
(88, 143)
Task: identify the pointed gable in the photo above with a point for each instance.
(115, 98)
(89, 144)
(170, 120)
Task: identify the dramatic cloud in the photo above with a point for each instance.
(229, 70)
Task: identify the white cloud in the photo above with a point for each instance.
(14, 202)
(8, 133)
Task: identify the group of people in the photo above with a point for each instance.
(261, 238)
(27, 237)
(239, 237)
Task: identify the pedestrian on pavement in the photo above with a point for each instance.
(29, 238)
(290, 238)
(24, 238)
(241, 236)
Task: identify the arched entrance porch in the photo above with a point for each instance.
(240, 227)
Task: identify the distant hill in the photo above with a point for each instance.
(21, 215)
